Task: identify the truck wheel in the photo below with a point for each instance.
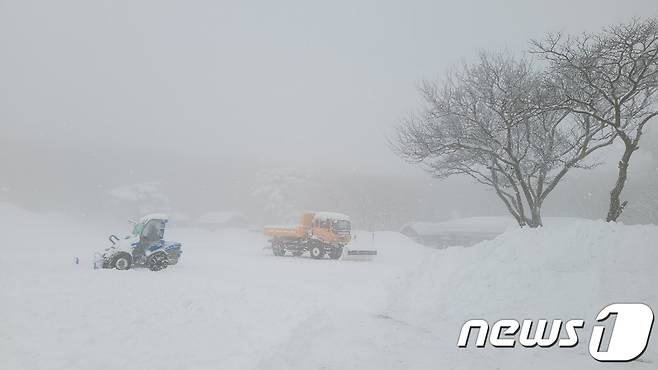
(335, 253)
(317, 251)
(278, 250)
(157, 262)
(122, 261)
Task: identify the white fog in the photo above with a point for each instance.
(383, 130)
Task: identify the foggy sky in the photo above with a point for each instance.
(302, 82)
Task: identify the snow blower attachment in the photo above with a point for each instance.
(319, 234)
(144, 247)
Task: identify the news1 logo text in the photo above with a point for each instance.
(626, 340)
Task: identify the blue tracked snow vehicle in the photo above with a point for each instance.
(144, 247)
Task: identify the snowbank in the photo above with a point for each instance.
(562, 272)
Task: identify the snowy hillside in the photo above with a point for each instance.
(230, 304)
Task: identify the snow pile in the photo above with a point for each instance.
(562, 272)
(392, 248)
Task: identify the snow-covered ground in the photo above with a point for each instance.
(230, 304)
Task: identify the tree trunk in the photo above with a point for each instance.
(616, 205)
(536, 220)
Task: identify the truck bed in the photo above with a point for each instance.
(278, 232)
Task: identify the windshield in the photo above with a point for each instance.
(137, 229)
(154, 230)
(342, 225)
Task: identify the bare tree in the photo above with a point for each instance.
(611, 77)
(496, 122)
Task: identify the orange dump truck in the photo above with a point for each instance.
(319, 233)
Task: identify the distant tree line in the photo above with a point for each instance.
(519, 124)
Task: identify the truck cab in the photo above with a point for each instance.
(331, 228)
